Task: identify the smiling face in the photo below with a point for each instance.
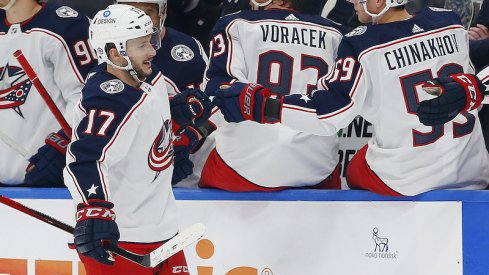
(141, 52)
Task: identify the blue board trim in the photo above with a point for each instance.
(287, 195)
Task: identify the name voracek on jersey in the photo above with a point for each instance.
(421, 51)
(293, 35)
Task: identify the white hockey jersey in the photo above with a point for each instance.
(379, 71)
(54, 42)
(287, 52)
(122, 151)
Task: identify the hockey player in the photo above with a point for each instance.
(55, 42)
(286, 51)
(120, 158)
(182, 61)
(378, 74)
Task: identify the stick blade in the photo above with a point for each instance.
(176, 244)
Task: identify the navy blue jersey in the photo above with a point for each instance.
(182, 60)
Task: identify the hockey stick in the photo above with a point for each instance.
(14, 145)
(152, 259)
(42, 91)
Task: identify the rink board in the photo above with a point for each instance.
(290, 232)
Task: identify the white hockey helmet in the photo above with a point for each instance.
(9, 5)
(161, 7)
(388, 4)
(116, 25)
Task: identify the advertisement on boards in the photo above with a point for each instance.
(269, 238)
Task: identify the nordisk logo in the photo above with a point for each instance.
(381, 248)
(205, 250)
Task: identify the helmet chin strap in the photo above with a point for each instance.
(257, 6)
(375, 16)
(127, 68)
(9, 5)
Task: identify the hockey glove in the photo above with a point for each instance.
(95, 224)
(189, 107)
(243, 101)
(184, 144)
(46, 166)
(456, 94)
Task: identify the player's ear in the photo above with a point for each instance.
(114, 54)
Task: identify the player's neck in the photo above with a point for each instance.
(394, 15)
(22, 10)
(124, 76)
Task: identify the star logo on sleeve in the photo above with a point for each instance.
(305, 98)
(92, 190)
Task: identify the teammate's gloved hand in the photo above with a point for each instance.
(242, 102)
(457, 93)
(95, 224)
(189, 107)
(184, 144)
(46, 166)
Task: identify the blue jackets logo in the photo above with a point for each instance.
(14, 88)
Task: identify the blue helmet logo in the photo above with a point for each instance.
(106, 13)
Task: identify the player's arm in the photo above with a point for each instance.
(226, 57)
(98, 144)
(190, 111)
(455, 94)
(323, 112)
(72, 59)
(201, 65)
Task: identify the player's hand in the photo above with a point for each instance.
(456, 93)
(46, 166)
(184, 144)
(95, 225)
(242, 101)
(479, 32)
(190, 107)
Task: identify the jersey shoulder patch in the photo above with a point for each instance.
(65, 12)
(112, 86)
(182, 53)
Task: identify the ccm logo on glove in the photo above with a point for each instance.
(472, 91)
(95, 212)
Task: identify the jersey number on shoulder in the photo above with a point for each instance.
(84, 52)
(218, 46)
(276, 70)
(409, 83)
(95, 121)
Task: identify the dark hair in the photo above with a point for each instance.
(108, 47)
